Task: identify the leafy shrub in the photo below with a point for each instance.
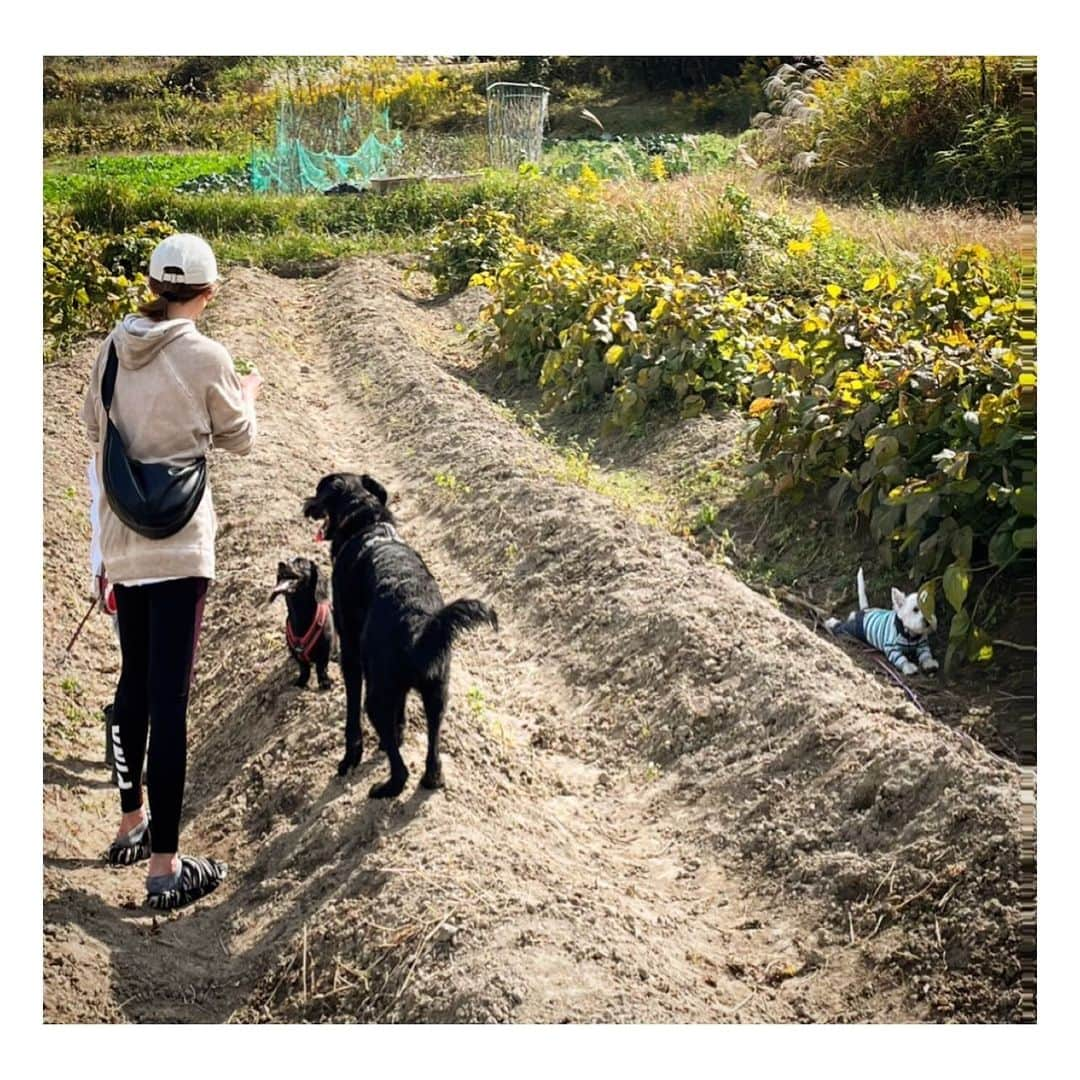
(902, 401)
(475, 243)
(908, 403)
(652, 334)
(733, 100)
(197, 75)
(90, 280)
(988, 160)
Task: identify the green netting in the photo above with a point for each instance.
(293, 166)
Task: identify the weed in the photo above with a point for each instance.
(449, 483)
(475, 699)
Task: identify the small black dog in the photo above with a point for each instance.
(395, 632)
(309, 632)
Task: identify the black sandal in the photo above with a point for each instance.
(132, 848)
(196, 878)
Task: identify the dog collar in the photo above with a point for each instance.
(389, 536)
(907, 642)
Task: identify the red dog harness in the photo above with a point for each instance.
(302, 647)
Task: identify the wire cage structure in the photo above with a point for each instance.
(516, 116)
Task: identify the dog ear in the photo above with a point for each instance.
(898, 599)
(374, 487)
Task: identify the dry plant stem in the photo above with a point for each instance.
(303, 968)
(416, 959)
(915, 896)
(736, 1007)
(888, 875)
(789, 597)
(887, 668)
(1015, 645)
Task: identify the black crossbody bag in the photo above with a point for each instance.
(152, 498)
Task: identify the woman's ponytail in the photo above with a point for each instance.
(168, 293)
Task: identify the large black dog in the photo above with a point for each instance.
(394, 631)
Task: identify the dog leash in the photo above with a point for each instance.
(75, 636)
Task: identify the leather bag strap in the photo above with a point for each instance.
(108, 380)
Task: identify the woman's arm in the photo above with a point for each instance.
(231, 403)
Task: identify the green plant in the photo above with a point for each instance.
(449, 483)
(907, 404)
(735, 99)
(475, 699)
(89, 280)
(901, 398)
(942, 128)
(475, 243)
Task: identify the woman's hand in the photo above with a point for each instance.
(250, 384)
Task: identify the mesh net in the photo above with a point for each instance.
(293, 165)
(516, 115)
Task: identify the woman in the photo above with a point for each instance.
(176, 391)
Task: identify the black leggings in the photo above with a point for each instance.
(159, 630)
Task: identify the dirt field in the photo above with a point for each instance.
(666, 800)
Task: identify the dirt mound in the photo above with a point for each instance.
(666, 801)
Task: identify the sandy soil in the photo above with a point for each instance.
(666, 800)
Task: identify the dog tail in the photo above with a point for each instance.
(864, 604)
(446, 625)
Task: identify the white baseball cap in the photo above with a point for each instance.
(184, 259)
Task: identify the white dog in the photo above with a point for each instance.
(899, 634)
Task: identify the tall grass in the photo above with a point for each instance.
(936, 128)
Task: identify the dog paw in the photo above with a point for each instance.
(432, 781)
(301, 682)
(929, 665)
(326, 684)
(350, 760)
(909, 669)
(390, 790)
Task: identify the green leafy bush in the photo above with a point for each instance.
(475, 243)
(91, 280)
(902, 401)
(907, 402)
(627, 157)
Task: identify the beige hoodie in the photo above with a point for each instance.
(176, 392)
